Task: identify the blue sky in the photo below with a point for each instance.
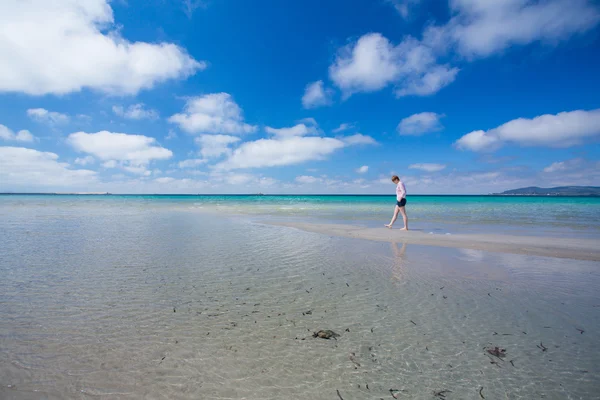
(232, 96)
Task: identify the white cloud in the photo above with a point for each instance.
(242, 181)
(212, 113)
(137, 169)
(308, 180)
(478, 28)
(287, 151)
(478, 141)
(214, 146)
(357, 139)
(166, 179)
(48, 117)
(191, 163)
(576, 171)
(428, 83)
(171, 135)
(132, 152)
(554, 167)
(363, 169)
(482, 27)
(21, 136)
(28, 169)
(85, 160)
(136, 111)
(402, 6)
(297, 130)
(565, 166)
(343, 127)
(373, 63)
(189, 6)
(316, 95)
(420, 124)
(561, 130)
(428, 167)
(308, 121)
(76, 44)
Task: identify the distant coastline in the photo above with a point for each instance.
(587, 191)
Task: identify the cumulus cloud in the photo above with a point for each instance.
(288, 150)
(27, 168)
(214, 146)
(48, 117)
(428, 167)
(362, 170)
(561, 130)
(297, 130)
(75, 45)
(429, 82)
(373, 62)
(278, 152)
(215, 113)
(480, 28)
(477, 28)
(21, 136)
(420, 124)
(316, 95)
(132, 153)
(357, 139)
(135, 111)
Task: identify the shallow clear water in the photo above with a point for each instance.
(148, 302)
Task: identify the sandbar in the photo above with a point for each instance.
(570, 248)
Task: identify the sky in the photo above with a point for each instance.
(286, 97)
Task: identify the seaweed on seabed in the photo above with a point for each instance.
(325, 334)
(497, 352)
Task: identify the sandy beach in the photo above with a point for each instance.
(577, 249)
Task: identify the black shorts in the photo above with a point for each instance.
(401, 203)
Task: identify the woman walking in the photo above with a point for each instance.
(400, 203)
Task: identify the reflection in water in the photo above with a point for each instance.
(398, 269)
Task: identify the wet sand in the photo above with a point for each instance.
(570, 248)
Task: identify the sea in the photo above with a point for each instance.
(201, 297)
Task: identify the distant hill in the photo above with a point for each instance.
(556, 191)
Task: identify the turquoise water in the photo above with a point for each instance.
(571, 216)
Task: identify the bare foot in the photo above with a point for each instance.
(388, 226)
(403, 229)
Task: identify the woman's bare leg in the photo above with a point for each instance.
(396, 210)
(404, 218)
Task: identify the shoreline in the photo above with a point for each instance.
(568, 248)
